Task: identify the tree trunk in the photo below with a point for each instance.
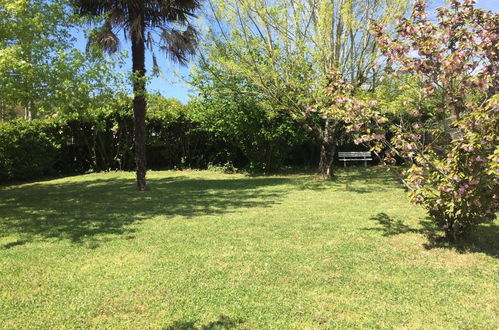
(328, 149)
(27, 113)
(139, 103)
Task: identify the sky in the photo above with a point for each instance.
(171, 82)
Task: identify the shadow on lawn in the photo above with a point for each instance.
(223, 322)
(364, 180)
(484, 239)
(80, 210)
(355, 179)
(390, 226)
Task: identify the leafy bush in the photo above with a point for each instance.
(102, 140)
(227, 168)
(264, 137)
(452, 147)
(27, 150)
(197, 135)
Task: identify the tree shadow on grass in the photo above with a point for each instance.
(360, 180)
(80, 210)
(223, 322)
(390, 226)
(484, 238)
(363, 180)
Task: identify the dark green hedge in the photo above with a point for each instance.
(28, 150)
(43, 147)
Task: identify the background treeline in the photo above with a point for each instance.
(179, 137)
(198, 135)
(256, 117)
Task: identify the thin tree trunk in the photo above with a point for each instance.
(328, 149)
(139, 103)
(27, 113)
(326, 160)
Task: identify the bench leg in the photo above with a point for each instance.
(365, 163)
(344, 163)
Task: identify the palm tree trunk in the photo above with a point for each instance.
(139, 104)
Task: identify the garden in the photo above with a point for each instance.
(232, 207)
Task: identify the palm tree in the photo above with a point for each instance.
(164, 24)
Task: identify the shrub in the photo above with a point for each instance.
(452, 147)
(27, 149)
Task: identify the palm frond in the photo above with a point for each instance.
(179, 45)
(92, 8)
(162, 12)
(155, 67)
(140, 17)
(105, 39)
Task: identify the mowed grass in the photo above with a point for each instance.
(205, 250)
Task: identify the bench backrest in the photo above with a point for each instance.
(348, 154)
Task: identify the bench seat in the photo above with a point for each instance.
(347, 156)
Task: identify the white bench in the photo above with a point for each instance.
(354, 156)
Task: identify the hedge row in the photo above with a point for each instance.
(38, 148)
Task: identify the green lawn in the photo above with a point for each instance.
(205, 250)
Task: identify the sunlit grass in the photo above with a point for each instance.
(209, 250)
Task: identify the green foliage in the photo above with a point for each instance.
(40, 71)
(28, 150)
(207, 132)
(461, 189)
(451, 141)
(283, 54)
(264, 136)
(164, 109)
(227, 168)
(178, 137)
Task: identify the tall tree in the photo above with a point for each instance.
(287, 51)
(33, 37)
(41, 73)
(154, 23)
(448, 132)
